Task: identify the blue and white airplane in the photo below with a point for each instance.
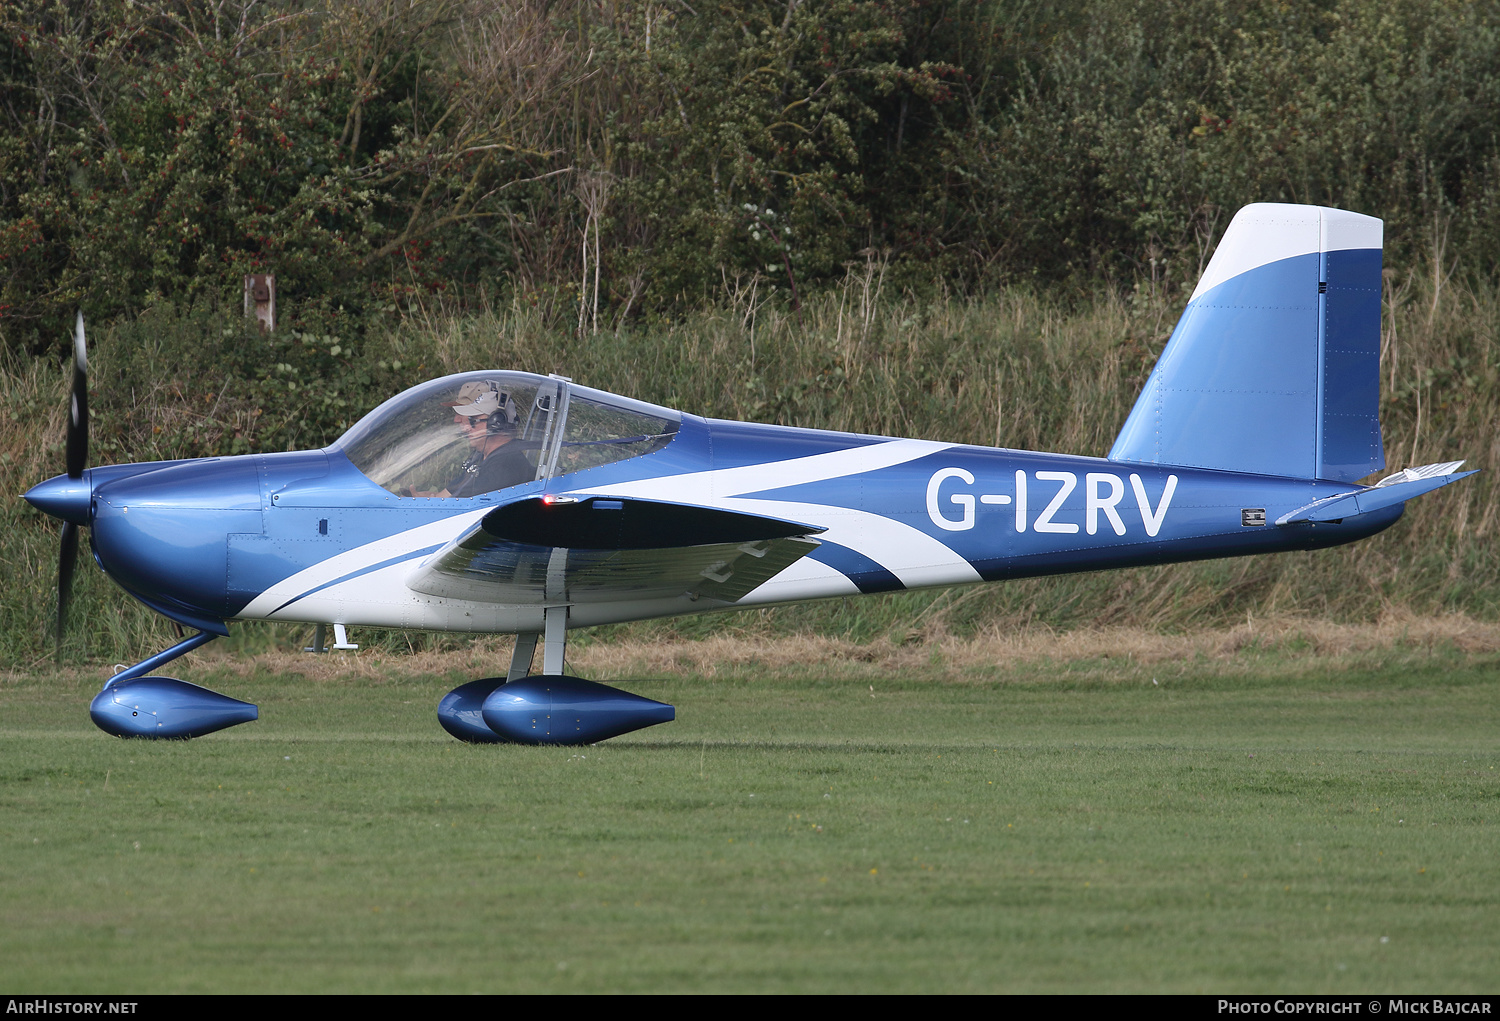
(507, 502)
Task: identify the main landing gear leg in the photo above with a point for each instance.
(134, 705)
(557, 640)
(549, 708)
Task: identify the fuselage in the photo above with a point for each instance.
(306, 536)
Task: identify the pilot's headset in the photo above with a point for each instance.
(486, 399)
(504, 417)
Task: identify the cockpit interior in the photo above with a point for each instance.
(418, 444)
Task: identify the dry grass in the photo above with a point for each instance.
(1295, 640)
(1283, 643)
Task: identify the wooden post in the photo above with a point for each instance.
(260, 299)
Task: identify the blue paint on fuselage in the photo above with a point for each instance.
(868, 576)
(199, 540)
(1204, 517)
(740, 444)
(361, 572)
(160, 534)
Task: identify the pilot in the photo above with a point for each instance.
(486, 416)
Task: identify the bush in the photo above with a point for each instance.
(603, 162)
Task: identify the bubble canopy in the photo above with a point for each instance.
(423, 443)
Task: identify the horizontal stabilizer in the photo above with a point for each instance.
(1397, 488)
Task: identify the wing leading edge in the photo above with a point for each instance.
(599, 549)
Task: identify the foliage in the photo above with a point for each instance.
(197, 383)
(1166, 117)
(766, 129)
(605, 160)
(162, 151)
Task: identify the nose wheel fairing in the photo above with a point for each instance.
(164, 707)
(134, 705)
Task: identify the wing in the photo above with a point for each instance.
(605, 550)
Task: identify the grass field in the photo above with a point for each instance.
(1267, 818)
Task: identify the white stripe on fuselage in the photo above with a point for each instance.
(755, 478)
(912, 555)
(358, 559)
(805, 579)
(909, 553)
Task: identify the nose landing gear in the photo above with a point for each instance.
(134, 705)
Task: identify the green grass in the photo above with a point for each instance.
(1266, 825)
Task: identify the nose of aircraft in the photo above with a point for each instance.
(63, 497)
(162, 534)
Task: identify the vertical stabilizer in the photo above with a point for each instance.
(1274, 367)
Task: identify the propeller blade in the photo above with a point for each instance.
(67, 559)
(78, 412)
(77, 461)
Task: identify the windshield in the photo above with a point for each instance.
(478, 432)
(599, 430)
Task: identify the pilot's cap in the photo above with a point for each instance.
(484, 398)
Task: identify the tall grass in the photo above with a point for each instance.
(1016, 368)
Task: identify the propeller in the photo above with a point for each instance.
(77, 461)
